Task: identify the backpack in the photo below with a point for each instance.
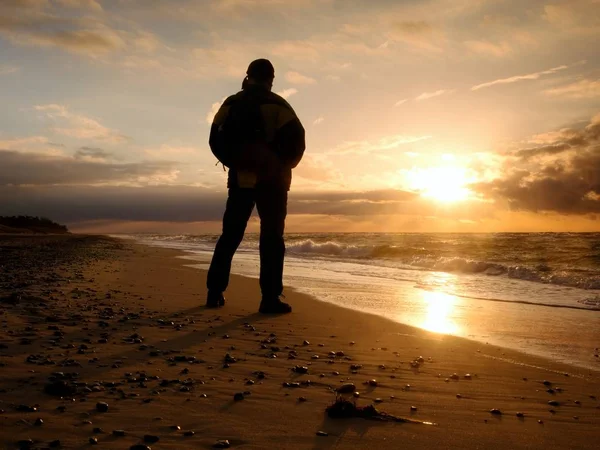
(244, 135)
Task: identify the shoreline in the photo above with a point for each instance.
(150, 292)
(198, 262)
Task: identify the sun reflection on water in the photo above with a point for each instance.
(439, 308)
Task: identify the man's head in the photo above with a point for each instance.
(261, 71)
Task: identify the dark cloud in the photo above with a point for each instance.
(179, 203)
(93, 152)
(38, 169)
(32, 24)
(413, 27)
(566, 181)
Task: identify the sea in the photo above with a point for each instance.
(538, 293)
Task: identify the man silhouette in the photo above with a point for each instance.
(257, 134)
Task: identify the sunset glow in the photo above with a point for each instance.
(443, 184)
(464, 116)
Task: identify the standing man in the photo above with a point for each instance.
(258, 136)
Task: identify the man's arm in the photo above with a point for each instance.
(217, 140)
(290, 137)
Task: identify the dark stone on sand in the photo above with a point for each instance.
(346, 388)
(139, 447)
(413, 408)
(60, 389)
(322, 433)
(102, 407)
(520, 415)
(238, 397)
(25, 443)
(54, 444)
(300, 369)
(38, 422)
(97, 430)
(495, 412)
(222, 444)
(372, 383)
(553, 403)
(119, 433)
(378, 400)
(547, 383)
(175, 427)
(189, 433)
(26, 408)
(93, 441)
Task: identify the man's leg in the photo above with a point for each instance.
(240, 204)
(271, 203)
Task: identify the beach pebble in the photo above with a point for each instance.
(175, 427)
(346, 388)
(38, 422)
(224, 443)
(25, 443)
(378, 400)
(413, 408)
(520, 415)
(238, 396)
(372, 382)
(93, 441)
(151, 439)
(102, 407)
(454, 376)
(189, 433)
(139, 447)
(495, 412)
(541, 422)
(300, 369)
(322, 433)
(119, 433)
(97, 430)
(553, 403)
(546, 383)
(302, 399)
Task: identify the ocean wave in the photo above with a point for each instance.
(419, 259)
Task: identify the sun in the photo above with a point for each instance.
(444, 184)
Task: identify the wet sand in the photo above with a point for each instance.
(124, 331)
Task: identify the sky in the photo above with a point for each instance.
(420, 116)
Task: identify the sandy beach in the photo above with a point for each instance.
(108, 342)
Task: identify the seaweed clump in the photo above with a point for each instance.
(345, 409)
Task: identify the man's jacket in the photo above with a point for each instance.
(284, 132)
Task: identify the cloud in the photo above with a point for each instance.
(401, 102)
(6, 69)
(86, 4)
(79, 126)
(516, 78)
(319, 120)
(93, 154)
(214, 109)
(489, 48)
(382, 144)
(562, 176)
(179, 203)
(428, 95)
(287, 93)
(298, 78)
(35, 169)
(81, 35)
(578, 90)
